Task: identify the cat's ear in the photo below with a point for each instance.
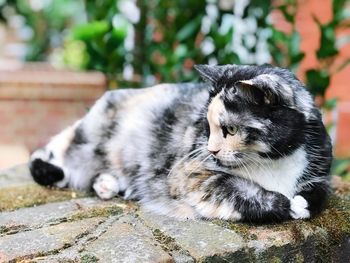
(253, 92)
(265, 89)
(249, 91)
(210, 73)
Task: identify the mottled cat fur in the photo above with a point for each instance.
(247, 145)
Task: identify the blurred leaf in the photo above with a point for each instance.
(297, 58)
(294, 44)
(90, 30)
(328, 42)
(341, 167)
(317, 81)
(330, 104)
(189, 29)
(180, 51)
(338, 7)
(284, 9)
(75, 55)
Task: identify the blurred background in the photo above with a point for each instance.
(58, 56)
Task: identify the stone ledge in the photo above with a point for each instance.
(44, 83)
(86, 229)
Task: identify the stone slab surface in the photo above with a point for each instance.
(52, 213)
(127, 240)
(15, 176)
(45, 240)
(201, 239)
(50, 225)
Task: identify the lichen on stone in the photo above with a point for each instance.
(335, 219)
(88, 258)
(167, 243)
(12, 198)
(96, 212)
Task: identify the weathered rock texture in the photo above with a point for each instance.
(49, 225)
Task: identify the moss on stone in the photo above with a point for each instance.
(313, 239)
(12, 198)
(11, 229)
(299, 258)
(241, 256)
(243, 229)
(275, 260)
(335, 220)
(96, 212)
(88, 258)
(167, 243)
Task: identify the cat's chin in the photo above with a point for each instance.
(231, 165)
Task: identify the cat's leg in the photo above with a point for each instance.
(75, 156)
(47, 164)
(310, 202)
(234, 198)
(106, 186)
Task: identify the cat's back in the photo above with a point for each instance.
(156, 97)
(140, 108)
(142, 118)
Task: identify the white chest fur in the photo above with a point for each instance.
(278, 175)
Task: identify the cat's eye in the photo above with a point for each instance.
(232, 130)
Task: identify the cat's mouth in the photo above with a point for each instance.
(233, 164)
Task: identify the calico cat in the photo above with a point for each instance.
(248, 145)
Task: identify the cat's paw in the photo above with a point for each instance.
(45, 173)
(298, 208)
(46, 170)
(106, 186)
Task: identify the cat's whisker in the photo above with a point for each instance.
(193, 154)
(245, 167)
(199, 165)
(262, 165)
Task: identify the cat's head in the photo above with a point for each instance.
(254, 112)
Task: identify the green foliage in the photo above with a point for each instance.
(341, 167)
(318, 79)
(103, 36)
(171, 36)
(285, 46)
(75, 54)
(169, 39)
(328, 40)
(47, 23)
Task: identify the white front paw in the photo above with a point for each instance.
(298, 207)
(106, 186)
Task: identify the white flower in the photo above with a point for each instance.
(130, 10)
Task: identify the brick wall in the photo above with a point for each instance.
(310, 36)
(36, 103)
(339, 84)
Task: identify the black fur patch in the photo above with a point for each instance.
(265, 207)
(79, 137)
(163, 133)
(316, 197)
(45, 173)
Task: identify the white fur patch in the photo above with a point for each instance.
(298, 207)
(278, 175)
(106, 186)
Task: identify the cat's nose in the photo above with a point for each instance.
(213, 151)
